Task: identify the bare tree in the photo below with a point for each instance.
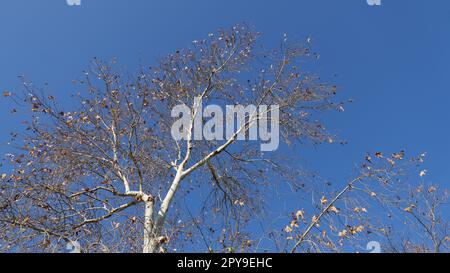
(102, 168)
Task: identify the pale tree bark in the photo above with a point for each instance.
(148, 246)
(153, 232)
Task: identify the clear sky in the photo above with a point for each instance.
(393, 59)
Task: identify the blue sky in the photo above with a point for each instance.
(392, 60)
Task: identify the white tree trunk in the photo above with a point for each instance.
(153, 230)
(149, 239)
